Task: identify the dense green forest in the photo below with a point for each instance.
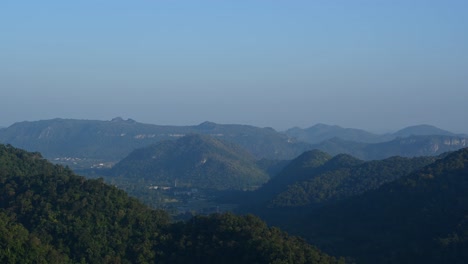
(50, 215)
(315, 178)
(345, 176)
(418, 218)
(195, 161)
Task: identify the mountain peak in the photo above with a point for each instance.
(312, 158)
(194, 160)
(422, 130)
(344, 160)
(117, 119)
(207, 125)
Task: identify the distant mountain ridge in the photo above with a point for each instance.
(322, 132)
(83, 144)
(411, 146)
(113, 140)
(422, 130)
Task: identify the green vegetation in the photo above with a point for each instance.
(315, 178)
(232, 239)
(298, 169)
(346, 176)
(50, 215)
(82, 219)
(418, 218)
(193, 161)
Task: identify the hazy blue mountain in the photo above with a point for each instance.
(411, 146)
(416, 146)
(320, 132)
(419, 218)
(197, 161)
(422, 130)
(113, 140)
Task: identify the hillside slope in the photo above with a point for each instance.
(321, 132)
(420, 218)
(412, 146)
(193, 161)
(50, 215)
(110, 141)
(315, 179)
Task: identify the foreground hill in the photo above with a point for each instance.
(101, 141)
(419, 218)
(50, 215)
(411, 146)
(193, 161)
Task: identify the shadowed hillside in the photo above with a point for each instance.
(50, 215)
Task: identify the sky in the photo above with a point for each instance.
(379, 65)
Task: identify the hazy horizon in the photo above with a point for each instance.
(373, 65)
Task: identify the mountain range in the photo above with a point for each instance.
(83, 144)
(115, 139)
(388, 210)
(322, 132)
(411, 146)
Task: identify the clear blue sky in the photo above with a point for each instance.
(374, 64)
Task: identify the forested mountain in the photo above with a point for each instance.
(411, 146)
(321, 132)
(419, 218)
(50, 215)
(344, 177)
(272, 167)
(196, 161)
(298, 169)
(315, 178)
(112, 140)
